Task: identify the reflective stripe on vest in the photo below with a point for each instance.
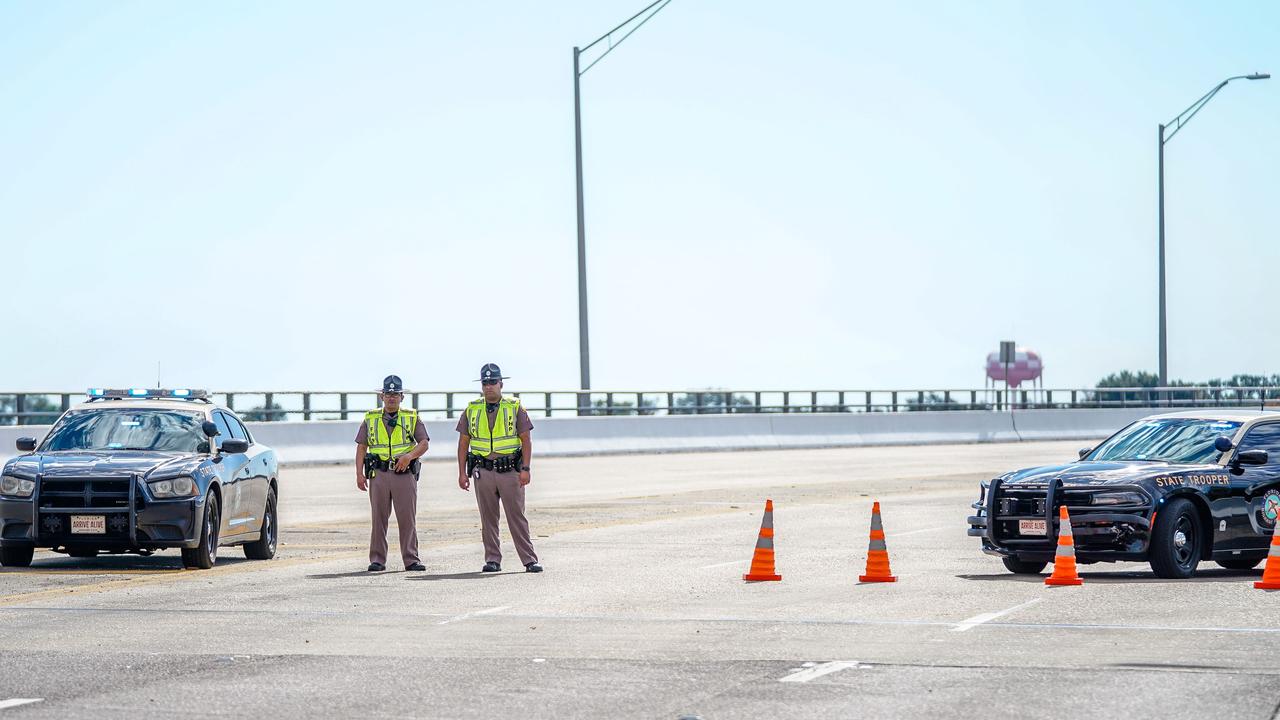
(501, 438)
(400, 440)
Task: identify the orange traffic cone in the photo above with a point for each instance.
(1271, 571)
(762, 560)
(877, 552)
(1064, 562)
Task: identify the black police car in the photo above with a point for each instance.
(135, 471)
(1170, 489)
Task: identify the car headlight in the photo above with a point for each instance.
(1119, 498)
(178, 487)
(16, 486)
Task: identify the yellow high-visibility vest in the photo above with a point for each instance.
(501, 438)
(386, 446)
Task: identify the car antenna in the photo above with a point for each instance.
(158, 375)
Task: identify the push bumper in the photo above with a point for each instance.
(1101, 535)
(141, 525)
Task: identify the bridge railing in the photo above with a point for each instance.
(32, 408)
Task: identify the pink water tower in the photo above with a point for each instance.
(1025, 366)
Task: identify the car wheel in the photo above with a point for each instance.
(206, 554)
(1241, 563)
(1176, 540)
(16, 555)
(1024, 567)
(264, 548)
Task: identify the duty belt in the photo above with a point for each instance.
(372, 463)
(500, 464)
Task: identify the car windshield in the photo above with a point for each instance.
(126, 429)
(1173, 440)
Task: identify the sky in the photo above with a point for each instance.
(312, 195)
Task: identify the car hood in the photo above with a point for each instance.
(1103, 473)
(114, 463)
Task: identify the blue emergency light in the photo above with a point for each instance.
(177, 394)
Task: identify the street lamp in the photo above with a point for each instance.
(1177, 124)
(584, 348)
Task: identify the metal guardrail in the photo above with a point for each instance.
(30, 408)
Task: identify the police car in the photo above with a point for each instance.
(135, 471)
(1171, 490)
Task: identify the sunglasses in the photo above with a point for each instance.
(490, 382)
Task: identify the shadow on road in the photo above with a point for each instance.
(1217, 575)
(477, 575)
(114, 563)
(353, 573)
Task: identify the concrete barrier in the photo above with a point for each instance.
(333, 441)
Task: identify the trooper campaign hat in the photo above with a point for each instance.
(392, 384)
(491, 373)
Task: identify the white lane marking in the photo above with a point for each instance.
(731, 562)
(904, 623)
(818, 671)
(913, 532)
(15, 702)
(464, 616)
(977, 620)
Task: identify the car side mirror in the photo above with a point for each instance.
(26, 444)
(233, 446)
(1252, 457)
(1222, 443)
(1084, 451)
(210, 428)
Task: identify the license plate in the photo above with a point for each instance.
(1032, 527)
(88, 524)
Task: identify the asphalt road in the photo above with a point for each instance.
(642, 611)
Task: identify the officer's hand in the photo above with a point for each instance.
(464, 482)
(361, 482)
(402, 463)
(524, 478)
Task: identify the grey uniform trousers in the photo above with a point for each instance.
(493, 489)
(388, 490)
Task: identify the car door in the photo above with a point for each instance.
(232, 471)
(254, 479)
(1260, 501)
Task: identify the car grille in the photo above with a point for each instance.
(1022, 503)
(85, 493)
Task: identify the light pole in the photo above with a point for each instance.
(1177, 124)
(584, 347)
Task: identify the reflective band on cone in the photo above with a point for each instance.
(762, 561)
(877, 552)
(1064, 560)
(1271, 571)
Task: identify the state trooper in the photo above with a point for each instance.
(388, 445)
(494, 452)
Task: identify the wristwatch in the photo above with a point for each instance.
(524, 468)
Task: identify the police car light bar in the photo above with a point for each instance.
(182, 394)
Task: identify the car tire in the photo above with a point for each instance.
(264, 548)
(16, 555)
(1024, 567)
(1177, 540)
(1241, 563)
(206, 554)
